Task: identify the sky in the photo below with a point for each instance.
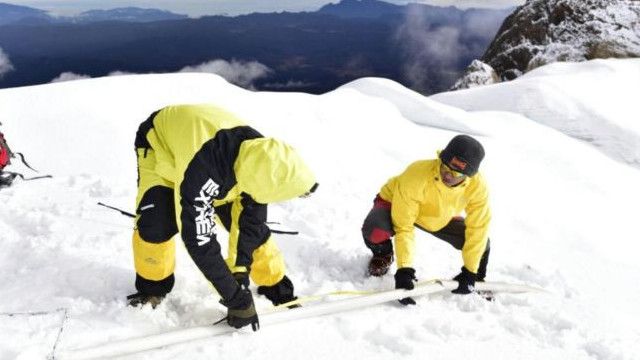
(197, 8)
(553, 165)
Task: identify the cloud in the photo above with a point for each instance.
(485, 23)
(5, 63)
(236, 72)
(434, 55)
(120, 73)
(69, 76)
(429, 52)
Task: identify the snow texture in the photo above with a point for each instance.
(561, 209)
(542, 95)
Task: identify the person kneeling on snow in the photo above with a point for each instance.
(197, 161)
(430, 195)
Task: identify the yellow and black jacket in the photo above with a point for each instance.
(209, 158)
(418, 196)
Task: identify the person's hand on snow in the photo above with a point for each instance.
(466, 282)
(241, 311)
(405, 277)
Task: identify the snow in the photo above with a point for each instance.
(562, 162)
(595, 101)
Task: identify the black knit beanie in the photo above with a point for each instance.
(463, 154)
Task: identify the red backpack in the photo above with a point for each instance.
(5, 152)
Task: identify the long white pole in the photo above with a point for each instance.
(135, 345)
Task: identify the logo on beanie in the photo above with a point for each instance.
(458, 164)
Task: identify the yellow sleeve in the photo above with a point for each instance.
(477, 226)
(404, 212)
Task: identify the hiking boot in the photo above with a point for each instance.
(380, 264)
(139, 299)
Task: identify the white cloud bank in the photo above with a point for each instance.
(237, 72)
(68, 76)
(5, 63)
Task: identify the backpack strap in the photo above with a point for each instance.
(7, 177)
(6, 154)
(21, 156)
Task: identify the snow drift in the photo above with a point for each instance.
(561, 212)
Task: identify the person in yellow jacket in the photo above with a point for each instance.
(431, 195)
(197, 161)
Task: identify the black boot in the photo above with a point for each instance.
(150, 291)
(280, 293)
(139, 299)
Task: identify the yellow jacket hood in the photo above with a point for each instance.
(271, 171)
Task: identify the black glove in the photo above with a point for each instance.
(405, 277)
(242, 278)
(466, 282)
(241, 311)
(140, 299)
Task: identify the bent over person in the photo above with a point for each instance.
(431, 195)
(197, 161)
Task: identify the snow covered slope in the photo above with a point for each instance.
(561, 214)
(595, 101)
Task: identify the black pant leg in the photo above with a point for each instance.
(453, 233)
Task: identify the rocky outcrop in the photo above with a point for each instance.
(544, 31)
(476, 74)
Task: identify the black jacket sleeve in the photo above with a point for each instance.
(198, 227)
(253, 230)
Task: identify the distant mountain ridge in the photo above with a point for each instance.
(10, 14)
(360, 8)
(24, 15)
(423, 47)
(376, 9)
